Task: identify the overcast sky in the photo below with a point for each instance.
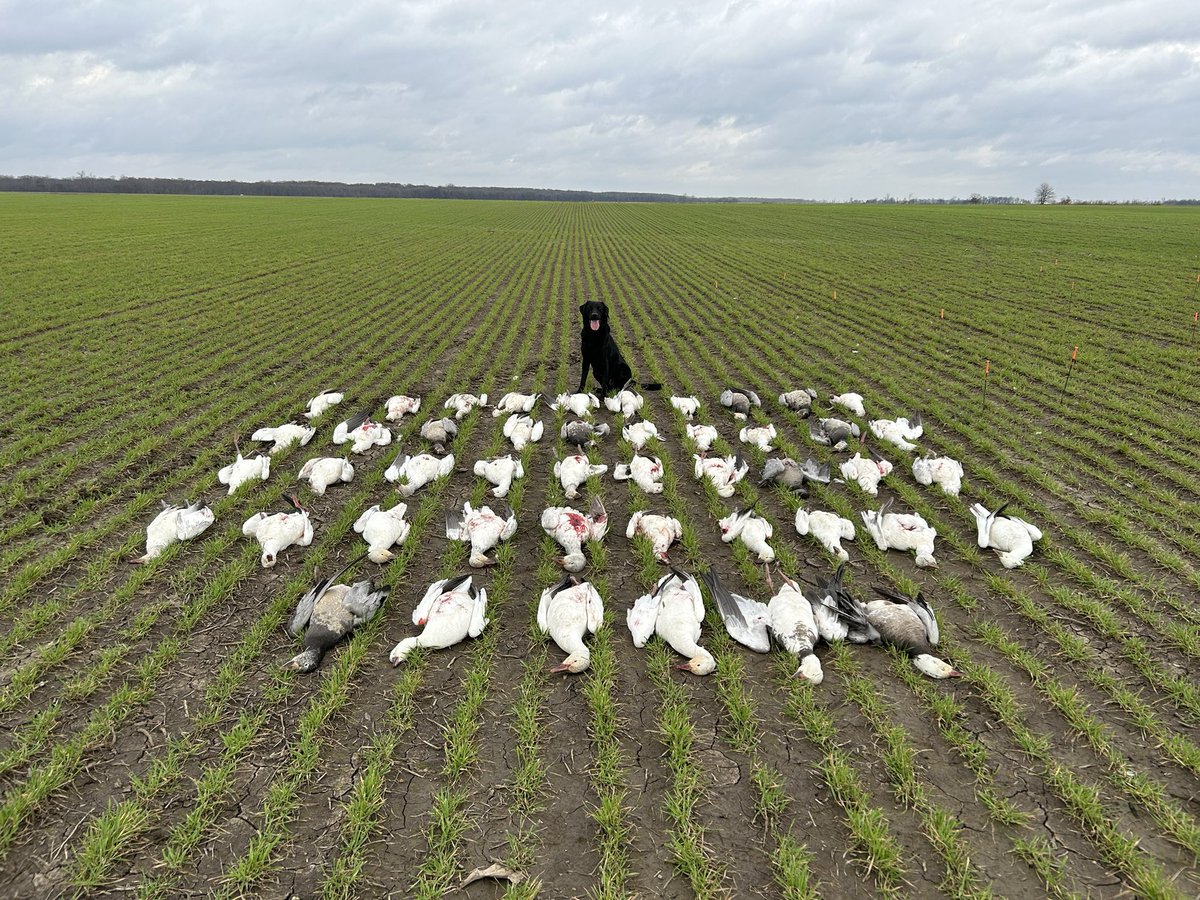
(822, 100)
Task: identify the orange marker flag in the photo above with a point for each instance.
(1070, 367)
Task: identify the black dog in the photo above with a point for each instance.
(600, 353)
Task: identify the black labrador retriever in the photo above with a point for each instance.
(600, 353)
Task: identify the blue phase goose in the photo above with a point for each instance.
(328, 613)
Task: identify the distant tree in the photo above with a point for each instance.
(976, 198)
(1044, 193)
(1065, 201)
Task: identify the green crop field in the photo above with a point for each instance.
(152, 744)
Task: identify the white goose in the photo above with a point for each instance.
(522, 430)
(899, 431)
(798, 401)
(275, 532)
(322, 471)
(745, 619)
(579, 404)
(382, 530)
(572, 471)
(462, 404)
(901, 531)
(850, 401)
(483, 528)
(866, 472)
(242, 470)
(362, 433)
(400, 406)
(646, 472)
(512, 402)
(639, 433)
(285, 435)
(947, 473)
(328, 613)
(661, 531)
(501, 472)
(571, 529)
(174, 523)
(323, 401)
(686, 405)
(752, 529)
(411, 473)
(758, 435)
(828, 528)
(451, 610)
(1010, 537)
(568, 612)
(723, 472)
(673, 611)
(625, 402)
(702, 436)
(795, 627)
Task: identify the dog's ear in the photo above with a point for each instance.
(603, 310)
(583, 309)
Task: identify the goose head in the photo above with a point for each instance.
(304, 662)
(700, 664)
(574, 663)
(934, 667)
(810, 670)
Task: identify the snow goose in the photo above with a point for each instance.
(899, 431)
(625, 402)
(411, 473)
(571, 529)
(673, 611)
(580, 405)
(639, 433)
(382, 530)
(242, 470)
(828, 528)
(501, 472)
(568, 612)
(285, 435)
(688, 406)
(702, 436)
(322, 471)
(522, 430)
(645, 471)
(759, 436)
(439, 432)
(723, 472)
(833, 433)
(323, 401)
(752, 529)
(745, 619)
(798, 401)
(901, 531)
(582, 434)
(661, 531)
(866, 472)
(462, 404)
(1011, 538)
(795, 627)
(400, 406)
(907, 623)
(275, 532)
(850, 401)
(947, 473)
(483, 528)
(793, 475)
(572, 471)
(826, 603)
(740, 401)
(452, 609)
(513, 402)
(175, 523)
(362, 433)
(328, 613)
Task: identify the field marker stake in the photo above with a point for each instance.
(835, 295)
(987, 368)
(942, 313)
(1195, 319)
(1070, 367)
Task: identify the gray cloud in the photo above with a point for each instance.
(812, 99)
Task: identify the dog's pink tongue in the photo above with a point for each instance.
(595, 325)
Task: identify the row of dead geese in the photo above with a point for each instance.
(452, 609)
